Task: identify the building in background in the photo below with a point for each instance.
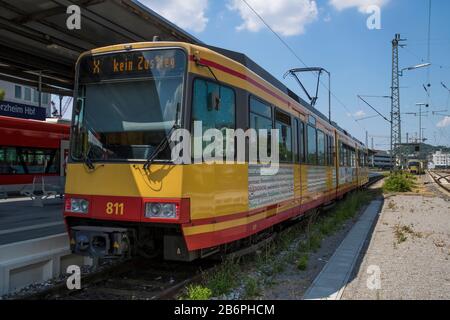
(22, 101)
(381, 159)
(441, 159)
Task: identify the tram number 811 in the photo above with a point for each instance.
(115, 208)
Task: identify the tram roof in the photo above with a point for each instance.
(34, 37)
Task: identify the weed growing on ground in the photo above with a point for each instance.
(399, 182)
(198, 292)
(223, 278)
(302, 262)
(401, 233)
(252, 288)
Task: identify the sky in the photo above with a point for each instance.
(333, 34)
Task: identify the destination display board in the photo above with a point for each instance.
(155, 63)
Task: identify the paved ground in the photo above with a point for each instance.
(20, 220)
(409, 251)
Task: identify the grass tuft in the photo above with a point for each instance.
(224, 278)
(252, 288)
(302, 262)
(198, 292)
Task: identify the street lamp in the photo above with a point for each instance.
(422, 65)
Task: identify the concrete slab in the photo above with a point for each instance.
(36, 260)
(34, 245)
(20, 220)
(333, 278)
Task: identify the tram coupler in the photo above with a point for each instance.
(99, 242)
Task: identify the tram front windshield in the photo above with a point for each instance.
(127, 103)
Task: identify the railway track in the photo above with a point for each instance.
(442, 178)
(135, 279)
(142, 279)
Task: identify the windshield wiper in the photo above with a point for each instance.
(87, 160)
(160, 147)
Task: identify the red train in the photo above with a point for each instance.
(30, 148)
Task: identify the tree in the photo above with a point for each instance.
(2, 94)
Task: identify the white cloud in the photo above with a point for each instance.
(287, 17)
(360, 4)
(444, 122)
(357, 114)
(187, 14)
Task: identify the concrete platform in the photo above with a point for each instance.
(331, 281)
(20, 220)
(34, 245)
(36, 260)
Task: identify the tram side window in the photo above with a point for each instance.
(215, 106)
(295, 139)
(312, 145)
(348, 156)
(360, 158)
(345, 151)
(261, 119)
(330, 151)
(352, 158)
(283, 124)
(301, 140)
(19, 160)
(343, 155)
(321, 147)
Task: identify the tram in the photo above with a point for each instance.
(124, 193)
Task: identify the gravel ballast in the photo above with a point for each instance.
(410, 247)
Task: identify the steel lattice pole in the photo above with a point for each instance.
(395, 104)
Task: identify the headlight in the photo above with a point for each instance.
(77, 205)
(160, 210)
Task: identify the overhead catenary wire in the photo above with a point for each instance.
(389, 121)
(299, 59)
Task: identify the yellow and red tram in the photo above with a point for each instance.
(124, 195)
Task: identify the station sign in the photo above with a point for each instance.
(19, 110)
